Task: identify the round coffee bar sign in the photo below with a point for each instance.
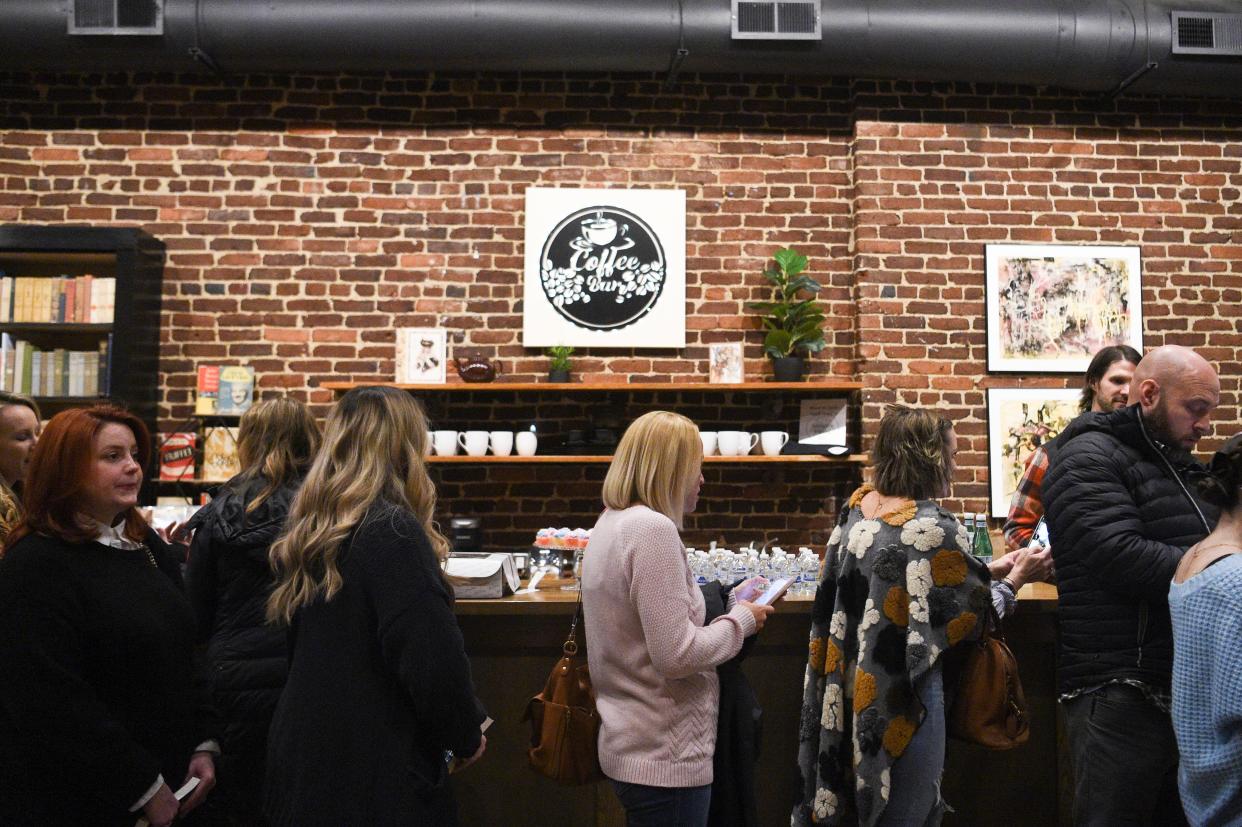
(602, 268)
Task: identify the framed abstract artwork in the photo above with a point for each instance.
(1051, 307)
(1019, 421)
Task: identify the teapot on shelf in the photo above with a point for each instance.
(475, 367)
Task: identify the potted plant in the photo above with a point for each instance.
(559, 368)
(794, 325)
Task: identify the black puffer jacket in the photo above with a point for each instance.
(228, 581)
(1121, 512)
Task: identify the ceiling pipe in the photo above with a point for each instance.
(1099, 46)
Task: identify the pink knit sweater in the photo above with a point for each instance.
(652, 660)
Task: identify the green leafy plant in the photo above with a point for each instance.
(560, 356)
(794, 325)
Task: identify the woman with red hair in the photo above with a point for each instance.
(98, 711)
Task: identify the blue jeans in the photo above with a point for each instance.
(664, 806)
(914, 799)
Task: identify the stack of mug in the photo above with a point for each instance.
(477, 443)
(742, 443)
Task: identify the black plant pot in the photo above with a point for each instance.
(787, 369)
(560, 376)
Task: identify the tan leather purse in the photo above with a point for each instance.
(563, 721)
(990, 707)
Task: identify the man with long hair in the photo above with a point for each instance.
(1106, 387)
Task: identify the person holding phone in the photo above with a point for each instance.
(652, 660)
(898, 589)
(102, 711)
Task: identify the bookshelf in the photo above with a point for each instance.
(126, 347)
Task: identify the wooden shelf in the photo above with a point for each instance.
(827, 385)
(72, 400)
(54, 327)
(461, 459)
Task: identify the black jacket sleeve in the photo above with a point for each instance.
(1094, 520)
(45, 693)
(418, 634)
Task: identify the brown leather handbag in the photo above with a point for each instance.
(563, 722)
(990, 707)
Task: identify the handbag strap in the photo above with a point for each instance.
(570, 646)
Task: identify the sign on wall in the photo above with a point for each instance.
(605, 268)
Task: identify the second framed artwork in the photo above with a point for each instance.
(1019, 421)
(1051, 307)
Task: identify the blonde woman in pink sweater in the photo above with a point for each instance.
(653, 662)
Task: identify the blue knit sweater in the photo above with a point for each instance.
(1207, 692)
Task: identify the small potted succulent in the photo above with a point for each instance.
(558, 370)
(794, 326)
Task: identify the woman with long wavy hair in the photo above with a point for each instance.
(229, 581)
(379, 685)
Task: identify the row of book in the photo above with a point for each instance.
(178, 455)
(57, 299)
(30, 370)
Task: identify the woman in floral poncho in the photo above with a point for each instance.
(898, 589)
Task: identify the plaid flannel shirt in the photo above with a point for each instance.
(1026, 508)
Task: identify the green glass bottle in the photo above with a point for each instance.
(981, 545)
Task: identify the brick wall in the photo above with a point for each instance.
(306, 217)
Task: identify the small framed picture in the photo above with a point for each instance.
(421, 356)
(726, 363)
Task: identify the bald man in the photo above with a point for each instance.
(1121, 513)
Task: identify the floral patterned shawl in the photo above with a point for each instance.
(895, 592)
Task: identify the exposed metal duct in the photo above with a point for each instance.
(1088, 45)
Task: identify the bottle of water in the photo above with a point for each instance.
(968, 522)
(810, 572)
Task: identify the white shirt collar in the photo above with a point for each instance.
(111, 535)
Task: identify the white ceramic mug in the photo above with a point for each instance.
(445, 442)
(709, 442)
(773, 441)
(502, 443)
(733, 443)
(749, 441)
(474, 442)
(526, 442)
(430, 446)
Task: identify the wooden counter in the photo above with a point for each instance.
(515, 641)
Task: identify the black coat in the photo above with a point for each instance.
(99, 693)
(738, 729)
(379, 688)
(228, 581)
(1121, 512)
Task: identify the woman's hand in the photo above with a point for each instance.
(162, 807)
(1001, 566)
(760, 613)
(202, 767)
(748, 590)
(461, 763)
(176, 533)
(1032, 566)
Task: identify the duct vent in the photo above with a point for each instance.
(1198, 33)
(768, 20)
(110, 17)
